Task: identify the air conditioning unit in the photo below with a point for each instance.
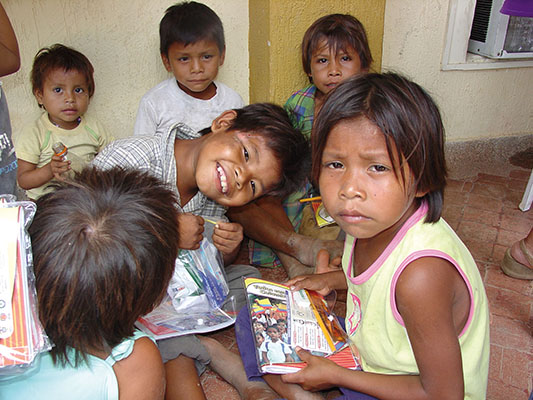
(500, 36)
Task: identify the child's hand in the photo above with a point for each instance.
(191, 229)
(316, 375)
(327, 276)
(58, 167)
(227, 237)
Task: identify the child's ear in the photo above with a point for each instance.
(223, 121)
(39, 96)
(222, 57)
(166, 62)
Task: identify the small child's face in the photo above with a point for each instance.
(328, 69)
(358, 185)
(259, 339)
(233, 168)
(65, 96)
(273, 333)
(195, 67)
(258, 327)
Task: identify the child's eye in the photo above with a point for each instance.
(334, 165)
(346, 58)
(79, 90)
(207, 56)
(183, 59)
(322, 60)
(252, 184)
(56, 90)
(246, 155)
(379, 168)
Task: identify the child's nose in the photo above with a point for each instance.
(241, 177)
(69, 96)
(334, 69)
(196, 65)
(351, 188)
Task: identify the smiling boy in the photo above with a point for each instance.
(192, 49)
(247, 153)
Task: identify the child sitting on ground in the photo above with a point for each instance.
(246, 153)
(192, 48)
(104, 247)
(416, 306)
(334, 48)
(62, 82)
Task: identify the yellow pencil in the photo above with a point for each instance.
(210, 220)
(310, 199)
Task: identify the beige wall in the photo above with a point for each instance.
(475, 104)
(121, 38)
(276, 31)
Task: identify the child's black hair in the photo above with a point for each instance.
(408, 117)
(104, 248)
(189, 22)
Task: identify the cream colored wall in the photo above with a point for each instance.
(121, 39)
(276, 31)
(475, 104)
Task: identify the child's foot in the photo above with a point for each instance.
(293, 267)
(518, 261)
(229, 366)
(309, 247)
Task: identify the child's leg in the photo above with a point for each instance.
(183, 381)
(229, 366)
(185, 358)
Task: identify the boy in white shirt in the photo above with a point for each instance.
(193, 49)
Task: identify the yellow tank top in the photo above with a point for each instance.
(377, 328)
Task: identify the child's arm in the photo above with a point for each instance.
(265, 358)
(29, 176)
(9, 49)
(141, 376)
(227, 238)
(431, 296)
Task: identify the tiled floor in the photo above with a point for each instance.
(484, 212)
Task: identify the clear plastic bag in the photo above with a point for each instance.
(198, 282)
(22, 337)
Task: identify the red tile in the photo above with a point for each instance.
(482, 216)
(496, 278)
(516, 224)
(507, 303)
(485, 202)
(495, 190)
(453, 213)
(516, 368)
(520, 174)
(468, 186)
(474, 231)
(456, 198)
(511, 334)
(453, 185)
(507, 238)
(480, 250)
(495, 363)
(513, 198)
(486, 178)
(497, 390)
(517, 184)
(497, 253)
(514, 211)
